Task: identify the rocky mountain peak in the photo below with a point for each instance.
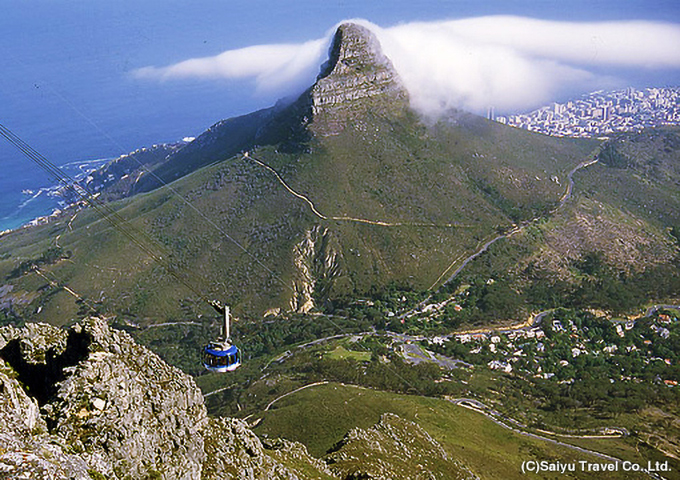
(357, 77)
(354, 49)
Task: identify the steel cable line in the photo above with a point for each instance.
(54, 282)
(110, 215)
(172, 190)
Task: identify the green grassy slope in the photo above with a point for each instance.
(640, 173)
(319, 417)
(465, 180)
(104, 264)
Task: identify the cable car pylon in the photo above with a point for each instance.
(221, 356)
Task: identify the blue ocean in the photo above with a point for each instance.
(80, 144)
(68, 87)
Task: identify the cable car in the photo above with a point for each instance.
(221, 356)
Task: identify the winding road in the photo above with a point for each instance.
(499, 419)
(516, 229)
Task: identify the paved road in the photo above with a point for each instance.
(484, 248)
(570, 177)
(517, 229)
(416, 354)
(494, 416)
(652, 310)
(167, 324)
(292, 392)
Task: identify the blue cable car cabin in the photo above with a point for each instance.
(221, 357)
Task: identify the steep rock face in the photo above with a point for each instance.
(235, 452)
(26, 448)
(318, 262)
(356, 77)
(18, 412)
(125, 404)
(394, 448)
(121, 409)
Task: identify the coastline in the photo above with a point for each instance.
(92, 175)
(45, 203)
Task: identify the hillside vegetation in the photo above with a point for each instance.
(349, 193)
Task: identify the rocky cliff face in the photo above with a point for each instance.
(357, 77)
(91, 403)
(236, 452)
(317, 260)
(394, 448)
(103, 399)
(27, 450)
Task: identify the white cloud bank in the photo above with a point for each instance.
(510, 63)
(272, 66)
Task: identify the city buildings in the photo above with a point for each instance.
(601, 113)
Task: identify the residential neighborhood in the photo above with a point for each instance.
(567, 342)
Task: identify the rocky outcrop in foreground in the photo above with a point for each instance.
(89, 403)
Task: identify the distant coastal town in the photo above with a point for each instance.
(602, 113)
